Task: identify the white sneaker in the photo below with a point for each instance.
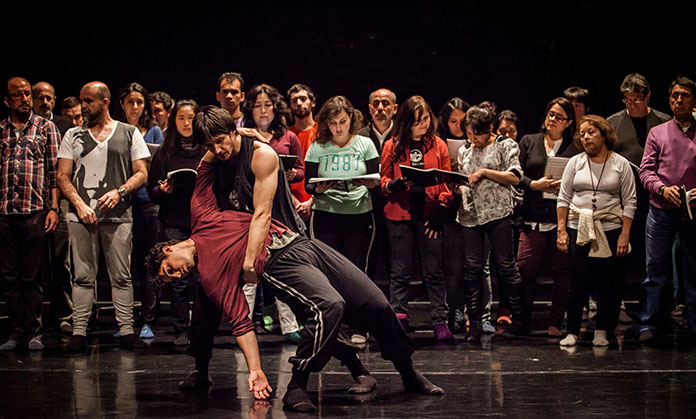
(569, 340)
(600, 338)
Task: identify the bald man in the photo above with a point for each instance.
(44, 99)
(108, 158)
(28, 211)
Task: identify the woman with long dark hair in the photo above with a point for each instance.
(178, 151)
(537, 243)
(415, 215)
(135, 109)
(266, 113)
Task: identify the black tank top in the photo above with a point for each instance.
(234, 188)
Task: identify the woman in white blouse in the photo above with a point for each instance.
(596, 204)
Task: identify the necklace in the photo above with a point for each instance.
(594, 189)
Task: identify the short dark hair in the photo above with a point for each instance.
(578, 94)
(163, 98)
(331, 108)
(683, 82)
(210, 122)
(229, 77)
(70, 102)
(481, 118)
(154, 258)
(634, 83)
(608, 133)
(508, 115)
(299, 86)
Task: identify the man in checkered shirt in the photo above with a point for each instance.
(28, 211)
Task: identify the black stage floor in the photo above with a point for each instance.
(528, 378)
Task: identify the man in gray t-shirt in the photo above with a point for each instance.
(108, 158)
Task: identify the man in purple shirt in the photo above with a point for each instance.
(669, 162)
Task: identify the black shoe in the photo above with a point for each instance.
(131, 341)
(515, 331)
(76, 344)
(195, 381)
(296, 399)
(475, 330)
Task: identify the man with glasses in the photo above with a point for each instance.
(633, 123)
(669, 163)
(632, 126)
(28, 211)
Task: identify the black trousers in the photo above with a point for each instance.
(23, 259)
(606, 277)
(323, 289)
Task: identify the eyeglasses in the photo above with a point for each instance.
(556, 116)
(633, 101)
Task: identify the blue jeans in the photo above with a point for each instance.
(408, 240)
(661, 228)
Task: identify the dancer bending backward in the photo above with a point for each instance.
(320, 285)
(415, 215)
(492, 164)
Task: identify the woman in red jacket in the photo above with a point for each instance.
(415, 214)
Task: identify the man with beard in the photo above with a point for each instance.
(44, 99)
(28, 210)
(302, 104)
(162, 105)
(109, 161)
(382, 106)
(668, 165)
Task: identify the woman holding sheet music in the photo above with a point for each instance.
(492, 164)
(178, 151)
(537, 245)
(595, 210)
(342, 210)
(266, 112)
(415, 214)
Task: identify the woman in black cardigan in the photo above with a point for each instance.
(537, 245)
(178, 151)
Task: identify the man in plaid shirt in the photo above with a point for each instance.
(28, 211)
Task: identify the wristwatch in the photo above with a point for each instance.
(122, 191)
(661, 191)
(56, 210)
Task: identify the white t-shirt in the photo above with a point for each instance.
(101, 167)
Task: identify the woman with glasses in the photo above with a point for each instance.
(537, 243)
(596, 205)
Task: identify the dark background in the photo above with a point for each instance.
(518, 54)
